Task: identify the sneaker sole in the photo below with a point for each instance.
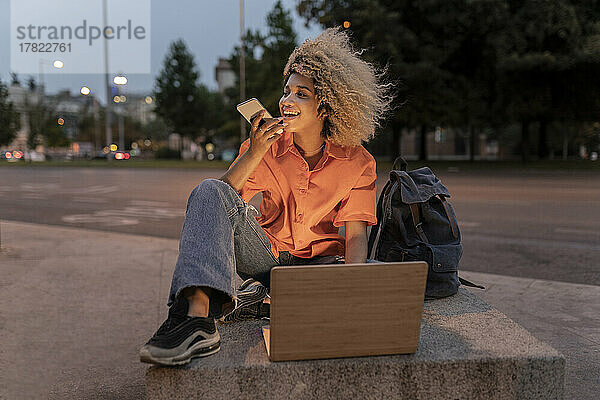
(198, 350)
(245, 300)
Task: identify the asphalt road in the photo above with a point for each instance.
(534, 225)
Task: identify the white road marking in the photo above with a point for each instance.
(126, 216)
(101, 189)
(89, 200)
(147, 203)
(48, 188)
(578, 231)
(35, 196)
(38, 187)
(548, 243)
(98, 219)
(141, 212)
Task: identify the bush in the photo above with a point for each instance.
(165, 153)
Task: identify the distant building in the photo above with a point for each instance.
(66, 106)
(18, 94)
(139, 108)
(224, 75)
(447, 144)
(71, 108)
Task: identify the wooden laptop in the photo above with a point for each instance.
(345, 310)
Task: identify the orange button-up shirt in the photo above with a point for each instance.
(302, 209)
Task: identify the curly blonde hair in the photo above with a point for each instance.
(349, 90)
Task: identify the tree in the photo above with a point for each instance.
(479, 63)
(180, 100)
(416, 40)
(55, 136)
(42, 121)
(156, 129)
(266, 55)
(10, 119)
(14, 79)
(550, 68)
(537, 48)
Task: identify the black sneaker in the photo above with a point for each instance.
(181, 338)
(249, 305)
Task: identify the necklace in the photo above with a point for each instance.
(310, 153)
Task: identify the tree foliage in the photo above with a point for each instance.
(10, 119)
(265, 58)
(42, 121)
(185, 105)
(480, 63)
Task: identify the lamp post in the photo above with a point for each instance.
(242, 70)
(87, 92)
(120, 81)
(108, 130)
(58, 64)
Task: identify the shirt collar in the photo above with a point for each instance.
(285, 144)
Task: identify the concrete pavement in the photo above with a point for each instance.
(564, 315)
(76, 304)
(527, 225)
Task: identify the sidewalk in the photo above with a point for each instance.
(76, 304)
(564, 315)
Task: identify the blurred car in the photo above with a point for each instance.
(34, 156)
(12, 155)
(100, 156)
(121, 155)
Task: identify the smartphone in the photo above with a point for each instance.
(250, 107)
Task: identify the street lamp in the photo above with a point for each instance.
(58, 64)
(242, 70)
(120, 80)
(86, 92)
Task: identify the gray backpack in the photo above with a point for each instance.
(415, 222)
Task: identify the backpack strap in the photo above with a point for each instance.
(414, 210)
(450, 218)
(384, 205)
(400, 164)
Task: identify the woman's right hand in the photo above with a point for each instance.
(262, 136)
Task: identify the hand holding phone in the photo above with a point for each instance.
(265, 129)
(250, 108)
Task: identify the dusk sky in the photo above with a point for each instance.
(210, 29)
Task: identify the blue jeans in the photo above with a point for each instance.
(221, 237)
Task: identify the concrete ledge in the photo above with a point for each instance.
(467, 350)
